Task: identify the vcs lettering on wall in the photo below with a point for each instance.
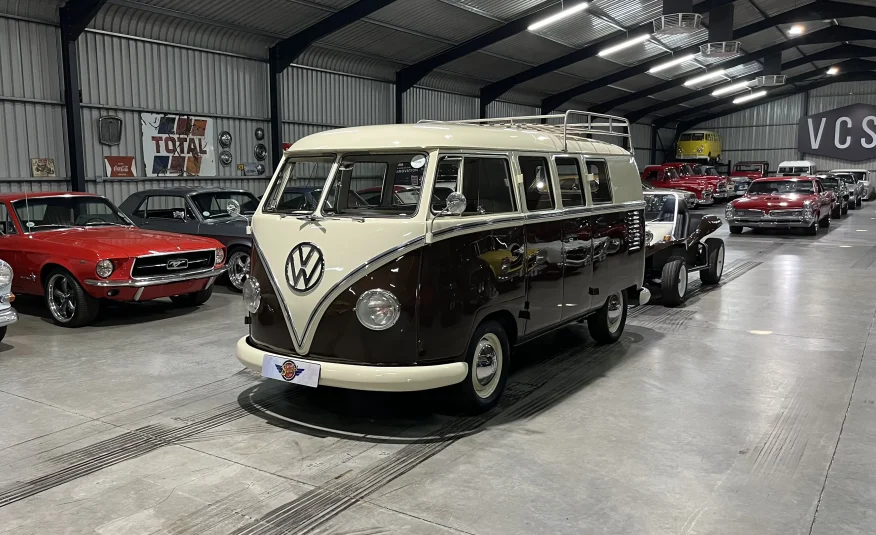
(178, 145)
(847, 133)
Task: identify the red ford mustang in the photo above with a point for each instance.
(77, 248)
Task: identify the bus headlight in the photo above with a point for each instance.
(377, 309)
(252, 295)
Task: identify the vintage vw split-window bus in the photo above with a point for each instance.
(515, 228)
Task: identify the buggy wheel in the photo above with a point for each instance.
(673, 283)
(712, 274)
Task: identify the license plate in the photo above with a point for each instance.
(299, 372)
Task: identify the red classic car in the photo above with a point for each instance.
(782, 202)
(720, 185)
(77, 248)
(667, 177)
(750, 170)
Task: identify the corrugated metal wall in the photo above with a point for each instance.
(762, 133)
(836, 96)
(127, 75)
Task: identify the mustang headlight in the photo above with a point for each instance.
(252, 295)
(377, 309)
(104, 268)
(220, 256)
(5, 274)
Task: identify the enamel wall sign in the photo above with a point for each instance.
(847, 133)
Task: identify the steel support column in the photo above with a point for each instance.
(276, 114)
(75, 16)
(653, 144)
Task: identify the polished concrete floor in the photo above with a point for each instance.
(750, 410)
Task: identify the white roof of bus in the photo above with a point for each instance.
(848, 170)
(446, 135)
(796, 163)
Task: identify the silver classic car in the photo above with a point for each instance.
(219, 213)
(8, 316)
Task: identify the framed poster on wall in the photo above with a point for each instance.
(178, 145)
(42, 167)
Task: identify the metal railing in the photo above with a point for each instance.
(568, 125)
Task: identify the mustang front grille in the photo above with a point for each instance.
(172, 263)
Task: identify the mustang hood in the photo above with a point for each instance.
(760, 202)
(125, 242)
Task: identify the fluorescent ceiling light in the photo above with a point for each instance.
(671, 63)
(750, 96)
(708, 76)
(833, 70)
(732, 88)
(796, 29)
(568, 12)
(626, 44)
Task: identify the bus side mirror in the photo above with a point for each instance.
(455, 204)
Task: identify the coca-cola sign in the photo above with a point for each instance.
(119, 166)
(847, 133)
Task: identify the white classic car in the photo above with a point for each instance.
(8, 316)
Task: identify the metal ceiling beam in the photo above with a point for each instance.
(843, 51)
(75, 16)
(284, 53)
(861, 76)
(848, 67)
(495, 90)
(815, 11)
(409, 76)
(825, 35)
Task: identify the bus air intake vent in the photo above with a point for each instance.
(635, 230)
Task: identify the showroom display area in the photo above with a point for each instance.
(437, 266)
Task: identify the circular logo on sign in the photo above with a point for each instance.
(304, 267)
(288, 370)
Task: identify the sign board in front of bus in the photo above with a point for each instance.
(847, 133)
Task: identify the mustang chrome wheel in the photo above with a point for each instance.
(615, 312)
(62, 301)
(487, 364)
(238, 268)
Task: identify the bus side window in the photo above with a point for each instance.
(600, 182)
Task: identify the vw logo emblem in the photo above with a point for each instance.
(304, 267)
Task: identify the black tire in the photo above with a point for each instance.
(712, 274)
(2, 332)
(836, 213)
(465, 395)
(858, 202)
(606, 326)
(824, 222)
(674, 273)
(845, 209)
(851, 205)
(238, 267)
(193, 299)
(811, 230)
(734, 229)
(62, 291)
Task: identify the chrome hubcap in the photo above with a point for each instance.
(615, 311)
(487, 364)
(682, 282)
(238, 269)
(62, 302)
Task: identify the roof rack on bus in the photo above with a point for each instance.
(573, 124)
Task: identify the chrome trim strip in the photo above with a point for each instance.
(155, 281)
(552, 215)
(276, 286)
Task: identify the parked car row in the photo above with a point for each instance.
(807, 202)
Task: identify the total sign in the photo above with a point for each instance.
(178, 145)
(847, 133)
